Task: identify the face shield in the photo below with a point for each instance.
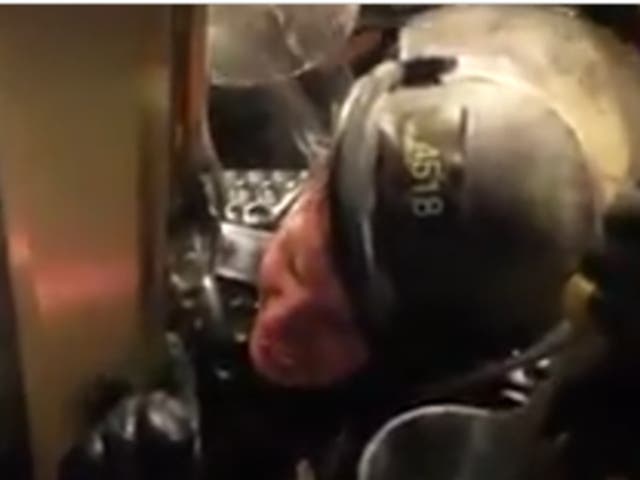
(277, 74)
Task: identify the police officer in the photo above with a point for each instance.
(466, 186)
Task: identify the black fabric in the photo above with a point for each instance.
(613, 265)
(144, 437)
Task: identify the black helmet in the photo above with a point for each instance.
(471, 172)
(458, 192)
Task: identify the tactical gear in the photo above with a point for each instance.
(468, 177)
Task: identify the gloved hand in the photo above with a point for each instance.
(144, 437)
(614, 267)
(150, 435)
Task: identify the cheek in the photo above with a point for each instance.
(302, 341)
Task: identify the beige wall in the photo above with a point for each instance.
(84, 112)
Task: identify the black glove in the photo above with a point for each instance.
(152, 435)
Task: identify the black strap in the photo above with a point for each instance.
(550, 344)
